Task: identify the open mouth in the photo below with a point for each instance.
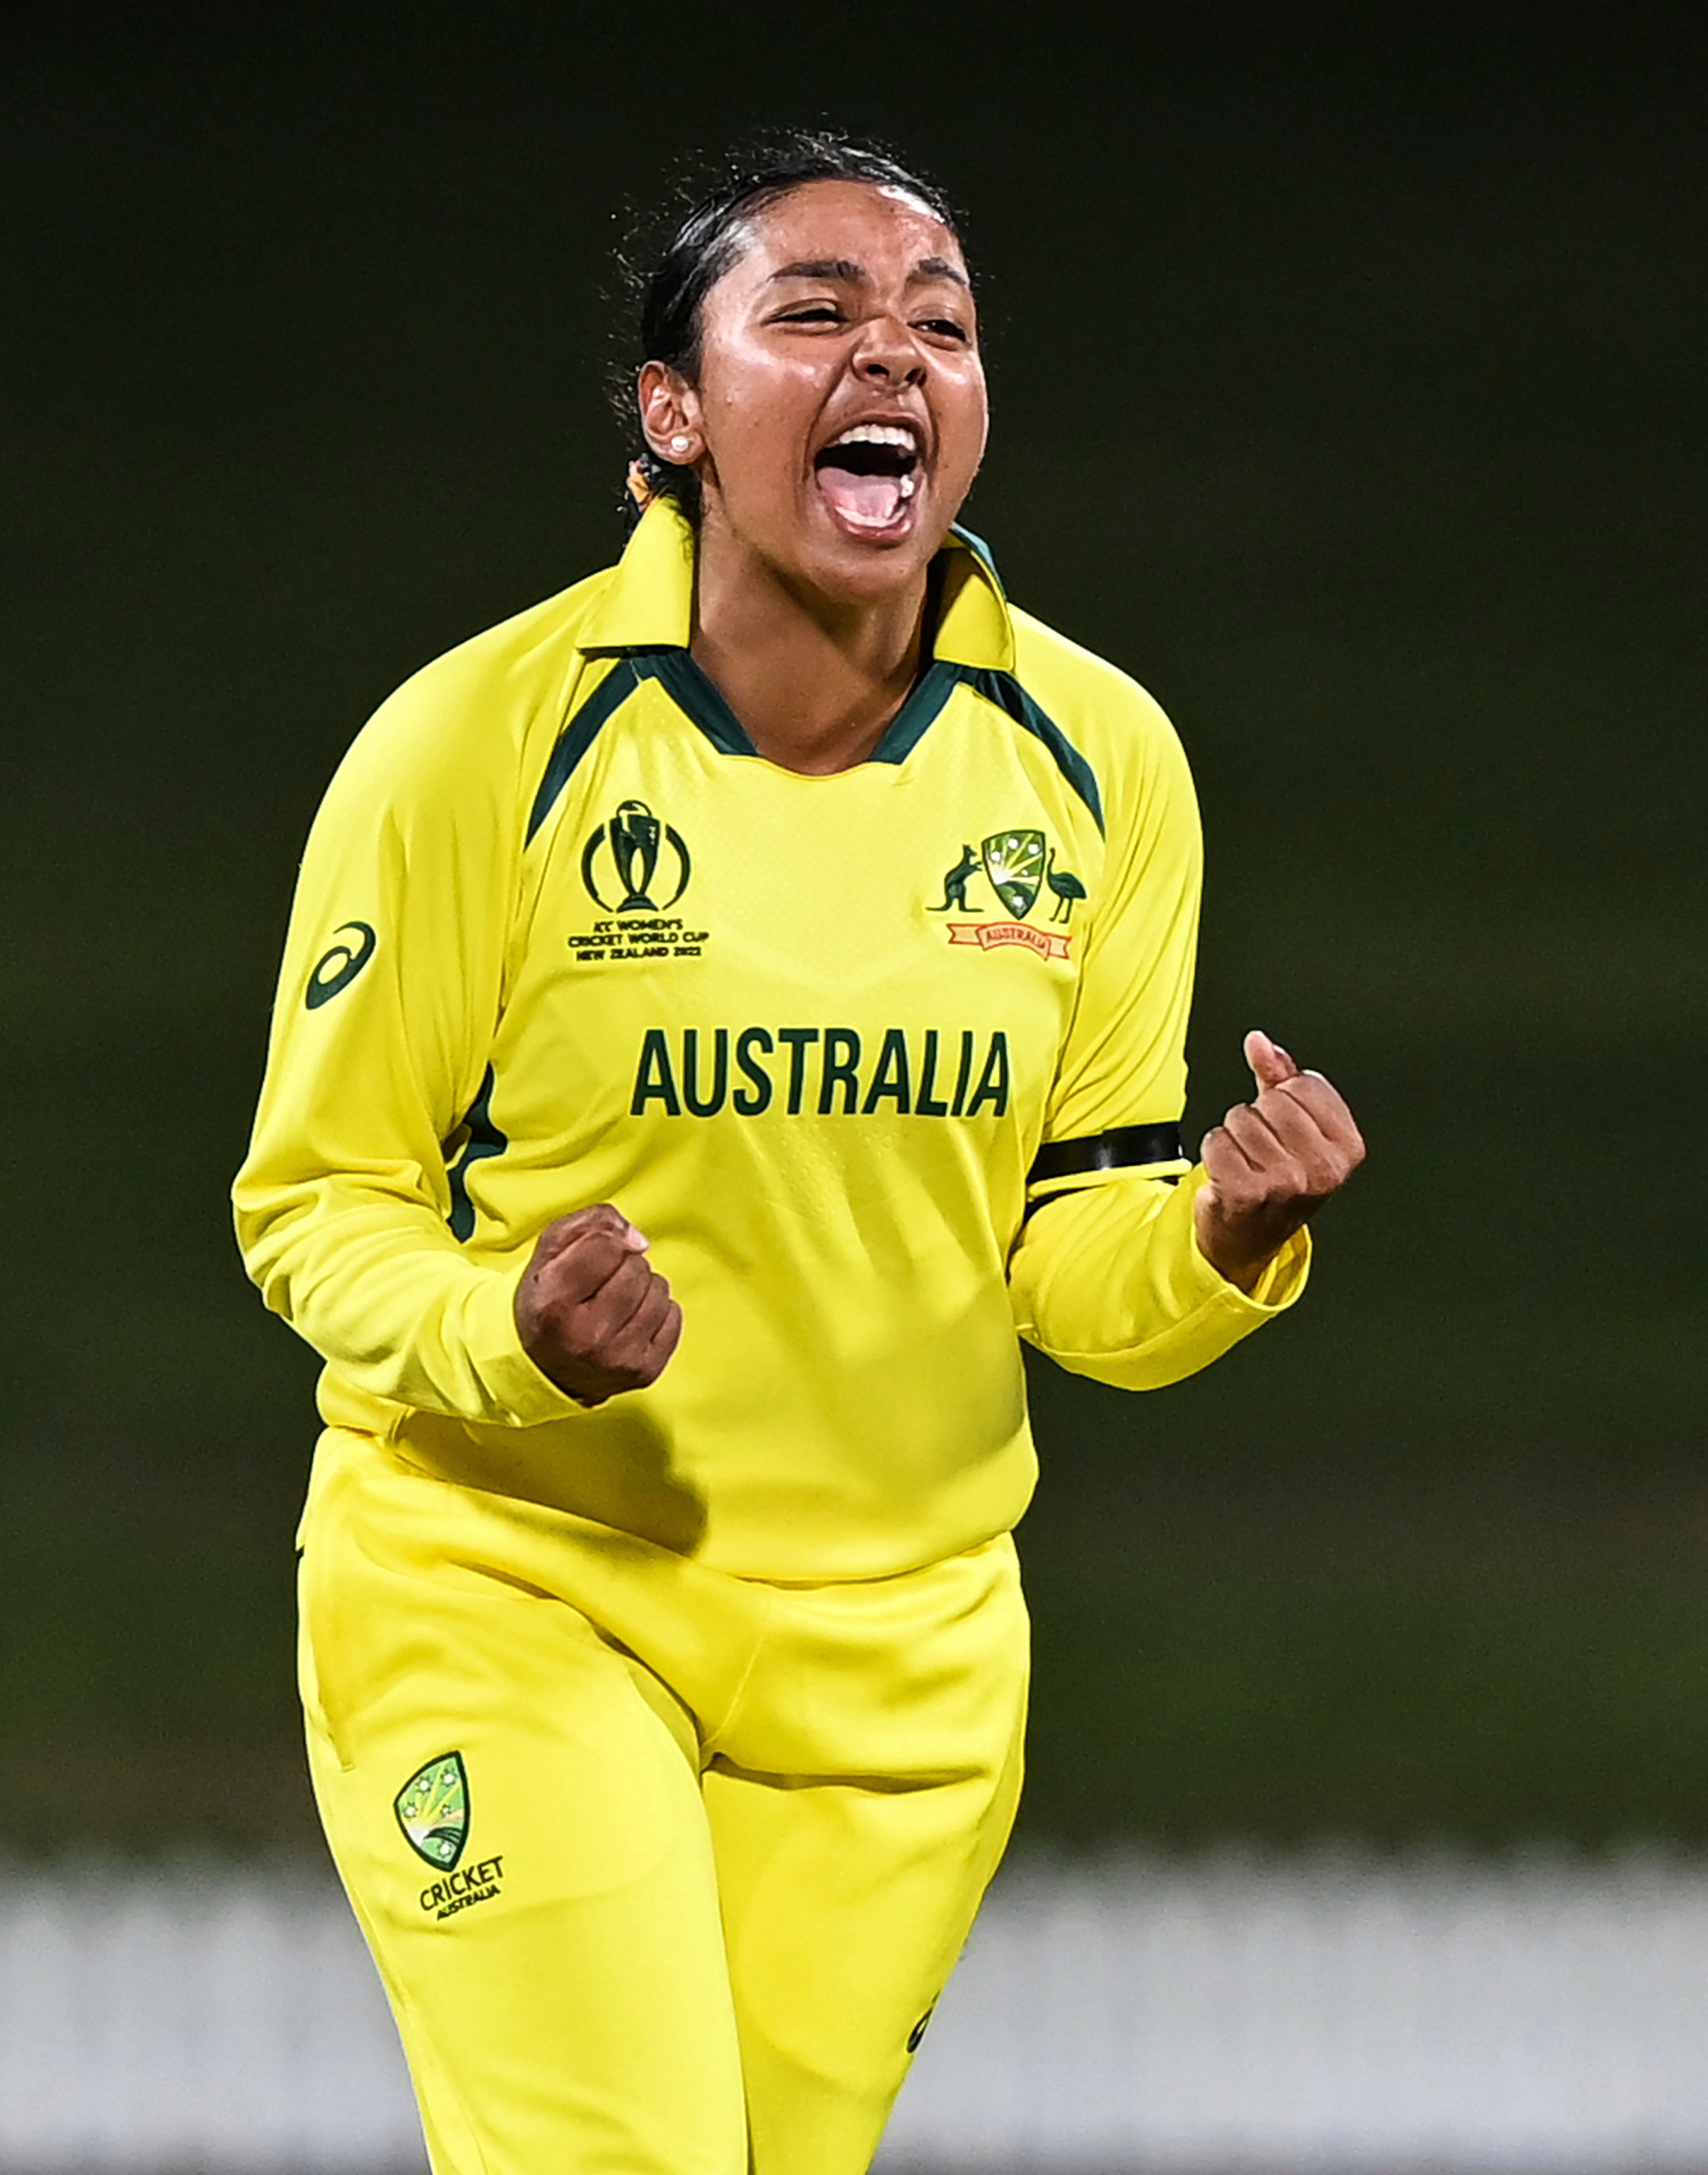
(870, 474)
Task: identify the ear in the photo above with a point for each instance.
(670, 416)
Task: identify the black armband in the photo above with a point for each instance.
(1123, 1148)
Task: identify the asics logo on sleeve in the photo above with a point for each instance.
(337, 968)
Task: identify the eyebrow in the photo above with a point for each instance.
(844, 269)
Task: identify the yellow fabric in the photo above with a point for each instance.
(788, 1025)
(1083, 1276)
(721, 1844)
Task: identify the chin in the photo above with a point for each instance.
(869, 573)
(818, 553)
(856, 569)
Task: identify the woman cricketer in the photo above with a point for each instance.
(725, 1008)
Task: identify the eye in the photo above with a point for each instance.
(945, 328)
(810, 313)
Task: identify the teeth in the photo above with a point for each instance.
(878, 434)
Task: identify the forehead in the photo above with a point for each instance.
(884, 229)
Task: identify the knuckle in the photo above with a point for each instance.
(558, 1304)
(613, 1257)
(588, 1249)
(625, 1367)
(555, 1281)
(643, 1363)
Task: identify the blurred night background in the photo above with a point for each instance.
(1347, 372)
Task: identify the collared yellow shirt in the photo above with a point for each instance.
(562, 936)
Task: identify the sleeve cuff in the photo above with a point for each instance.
(1282, 1281)
(515, 1387)
(1113, 1284)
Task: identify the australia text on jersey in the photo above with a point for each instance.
(832, 1071)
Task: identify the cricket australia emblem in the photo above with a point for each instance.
(1015, 866)
(432, 1810)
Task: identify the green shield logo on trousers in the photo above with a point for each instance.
(432, 1810)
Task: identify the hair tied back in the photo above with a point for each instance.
(640, 488)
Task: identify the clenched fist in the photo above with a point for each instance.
(1272, 1162)
(594, 1316)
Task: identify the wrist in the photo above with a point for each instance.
(1242, 1273)
(1239, 1258)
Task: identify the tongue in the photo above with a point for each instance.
(871, 502)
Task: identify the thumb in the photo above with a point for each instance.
(564, 1230)
(1270, 1063)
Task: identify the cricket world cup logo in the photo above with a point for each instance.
(620, 863)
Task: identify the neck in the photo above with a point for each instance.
(814, 682)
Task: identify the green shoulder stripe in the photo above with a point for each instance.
(578, 735)
(1005, 692)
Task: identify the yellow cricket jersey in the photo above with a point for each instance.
(563, 936)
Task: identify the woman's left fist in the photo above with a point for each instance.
(1271, 1163)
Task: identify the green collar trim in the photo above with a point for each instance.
(911, 723)
(699, 700)
(694, 694)
(643, 622)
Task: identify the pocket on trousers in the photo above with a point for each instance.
(321, 1654)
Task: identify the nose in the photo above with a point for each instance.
(889, 355)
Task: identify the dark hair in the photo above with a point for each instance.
(668, 283)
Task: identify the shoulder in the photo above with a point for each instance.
(483, 710)
(1070, 682)
(1117, 726)
(495, 683)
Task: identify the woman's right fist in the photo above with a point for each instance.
(594, 1317)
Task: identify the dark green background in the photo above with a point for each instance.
(1349, 376)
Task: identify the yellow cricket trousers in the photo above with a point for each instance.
(663, 1869)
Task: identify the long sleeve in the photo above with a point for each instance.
(1107, 1277)
(392, 984)
(1107, 1280)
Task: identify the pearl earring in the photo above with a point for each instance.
(680, 445)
